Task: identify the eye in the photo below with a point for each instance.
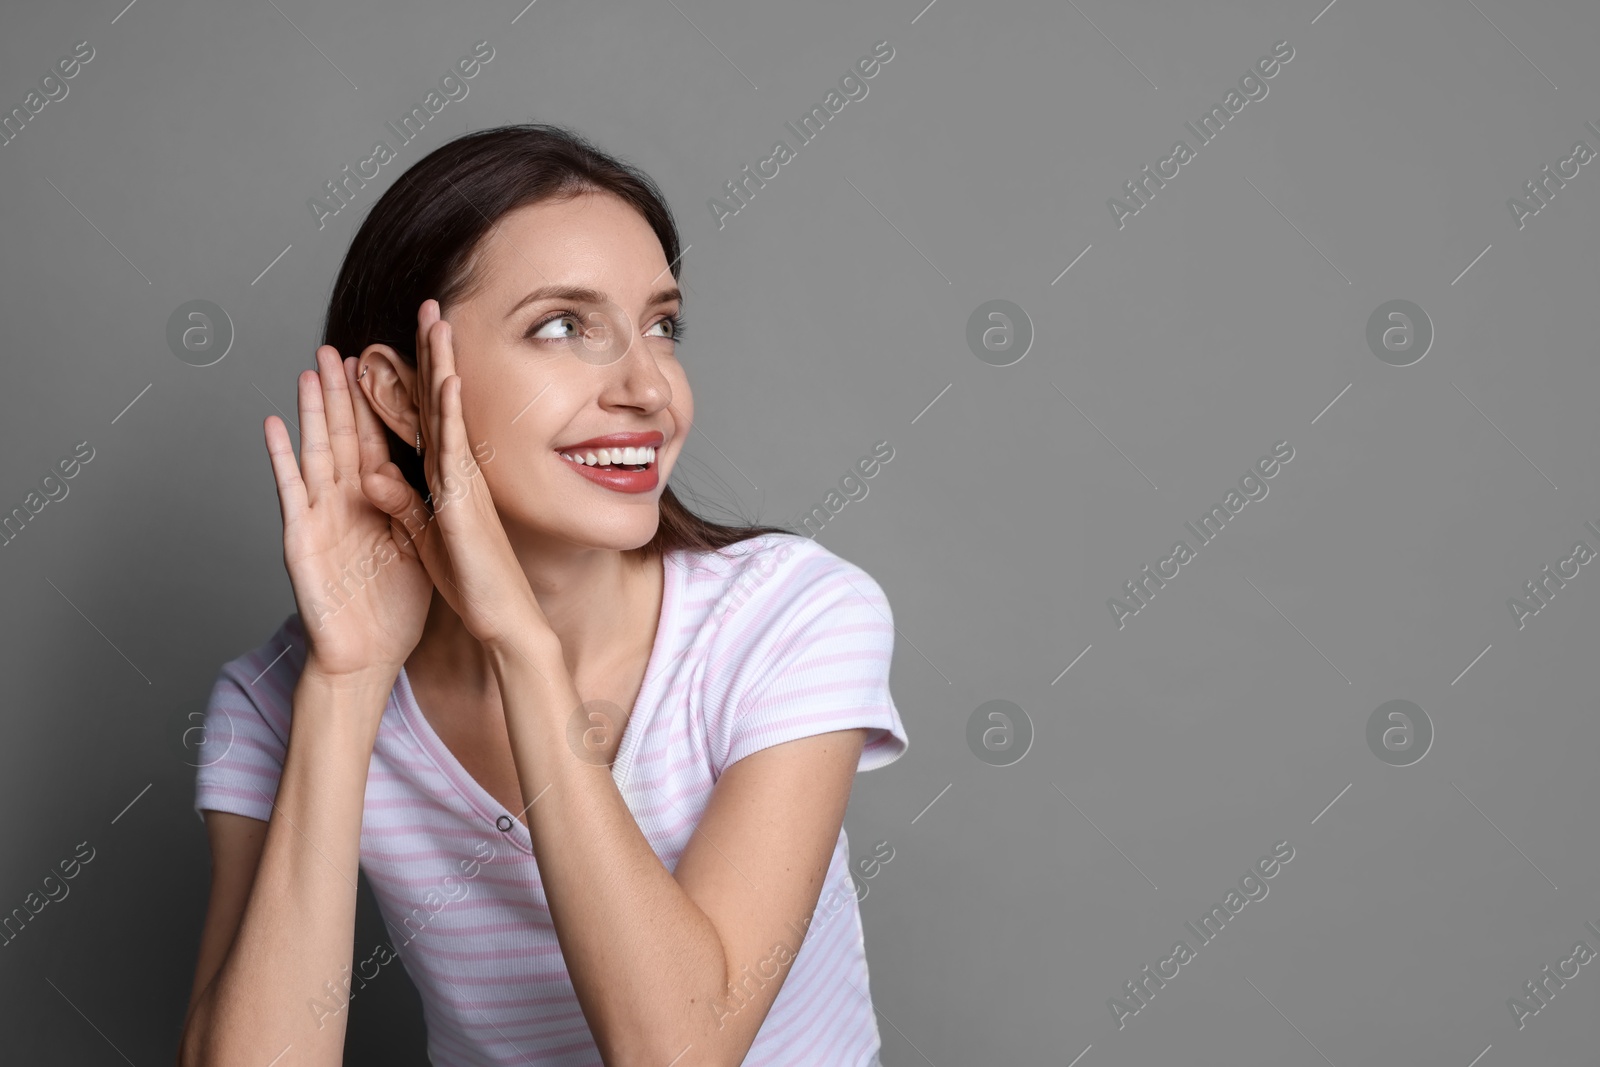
(674, 324)
(575, 326)
(536, 331)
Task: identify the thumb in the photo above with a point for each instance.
(387, 490)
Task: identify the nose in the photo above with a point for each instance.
(634, 378)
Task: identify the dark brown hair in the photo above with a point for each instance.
(421, 238)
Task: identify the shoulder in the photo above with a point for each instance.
(240, 744)
(788, 606)
(239, 748)
(776, 574)
(264, 677)
(804, 644)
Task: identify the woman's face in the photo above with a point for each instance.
(546, 370)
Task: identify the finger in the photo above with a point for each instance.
(440, 366)
(341, 419)
(411, 522)
(388, 491)
(460, 467)
(316, 463)
(427, 390)
(373, 444)
(285, 471)
(468, 486)
(454, 452)
(443, 352)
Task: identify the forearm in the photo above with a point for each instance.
(644, 959)
(296, 934)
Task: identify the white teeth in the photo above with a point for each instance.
(603, 456)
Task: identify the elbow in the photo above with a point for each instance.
(684, 1053)
(693, 1028)
(666, 1045)
(201, 1043)
(698, 1036)
(189, 1049)
(191, 1041)
(195, 1047)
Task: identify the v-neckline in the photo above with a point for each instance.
(472, 791)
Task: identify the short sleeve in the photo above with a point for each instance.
(238, 750)
(808, 655)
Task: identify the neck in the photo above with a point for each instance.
(600, 603)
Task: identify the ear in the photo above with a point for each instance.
(389, 384)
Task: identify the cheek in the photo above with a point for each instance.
(682, 426)
(681, 395)
(525, 484)
(488, 403)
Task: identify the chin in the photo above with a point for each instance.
(621, 533)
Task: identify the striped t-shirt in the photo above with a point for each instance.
(767, 640)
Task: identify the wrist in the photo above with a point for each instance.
(338, 715)
(366, 681)
(532, 644)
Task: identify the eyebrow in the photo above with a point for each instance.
(582, 295)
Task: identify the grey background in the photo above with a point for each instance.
(826, 316)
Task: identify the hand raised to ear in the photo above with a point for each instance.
(358, 582)
(464, 547)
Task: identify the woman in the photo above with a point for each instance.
(592, 751)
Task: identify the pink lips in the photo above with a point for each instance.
(617, 440)
(621, 481)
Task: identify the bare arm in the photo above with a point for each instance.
(270, 984)
(236, 842)
(257, 997)
(654, 955)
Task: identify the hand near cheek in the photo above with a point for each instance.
(464, 548)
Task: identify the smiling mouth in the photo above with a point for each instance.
(619, 459)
